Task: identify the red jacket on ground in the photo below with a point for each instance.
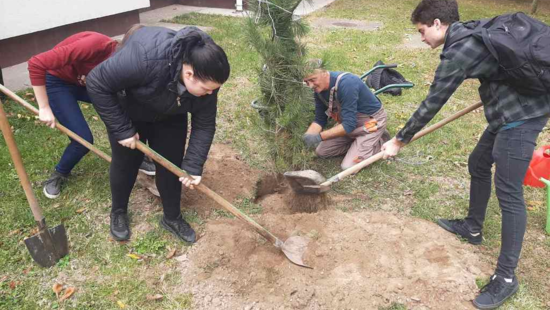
(73, 57)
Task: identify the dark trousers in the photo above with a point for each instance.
(63, 98)
(511, 151)
(167, 138)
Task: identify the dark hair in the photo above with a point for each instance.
(429, 10)
(208, 60)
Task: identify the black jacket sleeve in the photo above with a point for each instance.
(125, 69)
(203, 127)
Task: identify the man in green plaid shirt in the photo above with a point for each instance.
(514, 123)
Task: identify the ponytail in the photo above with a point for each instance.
(208, 60)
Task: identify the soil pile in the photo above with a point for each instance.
(361, 260)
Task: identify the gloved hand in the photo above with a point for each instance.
(312, 139)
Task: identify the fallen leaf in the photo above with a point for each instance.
(14, 232)
(171, 254)
(14, 284)
(95, 118)
(34, 231)
(84, 106)
(408, 192)
(27, 270)
(56, 288)
(55, 206)
(68, 293)
(134, 256)
(28, 94)
(3, 278)
(116, 292)
(81, 210)
(534, 203)
(154, 297)
(121, 304)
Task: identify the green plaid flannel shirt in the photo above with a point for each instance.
(470, 59)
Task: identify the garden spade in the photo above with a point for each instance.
(312, 182)
(293, 248)
(49, 244)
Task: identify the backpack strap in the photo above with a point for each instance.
(488, 44)
(472, 27)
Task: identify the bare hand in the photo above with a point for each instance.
(45, 115)
(190, 182)
(130, 142)
(391, 148)
(82, 80)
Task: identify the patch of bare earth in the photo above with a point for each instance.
(360, 260)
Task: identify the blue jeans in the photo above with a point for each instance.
(511, 151)
(64, 97)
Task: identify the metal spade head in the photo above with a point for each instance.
(48, 246)
(305, 181)
(294, 249)
(315, 189)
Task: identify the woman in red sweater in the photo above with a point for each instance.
(58, 77)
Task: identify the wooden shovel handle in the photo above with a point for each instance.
(61, 128)
(210, 193)
(356, 168)
(18, 163)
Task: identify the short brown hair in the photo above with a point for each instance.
(429, 10)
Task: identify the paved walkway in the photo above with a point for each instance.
(17, 77)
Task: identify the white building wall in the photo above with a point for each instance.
(19, 17)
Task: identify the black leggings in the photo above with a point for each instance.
(167, 138)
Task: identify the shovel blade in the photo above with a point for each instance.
(294, 249)
(315, 189)
(304, 181)
(48, 246)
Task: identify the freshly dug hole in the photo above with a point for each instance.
(276, 184)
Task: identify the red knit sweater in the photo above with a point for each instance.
(73, 57)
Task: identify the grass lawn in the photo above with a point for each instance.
(429, 180)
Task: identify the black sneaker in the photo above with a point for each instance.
(460, 228)
(180, 228)
(120, 226)
(147, 166)
(52, 186)
(495, 292)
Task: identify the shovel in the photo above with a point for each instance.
(293, 248)
(312, 182)
(49, 245)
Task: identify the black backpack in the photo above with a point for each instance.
(521, 45)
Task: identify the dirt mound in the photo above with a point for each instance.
(361, 261)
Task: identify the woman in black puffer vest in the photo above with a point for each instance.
(145, 91)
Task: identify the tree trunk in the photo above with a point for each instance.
(534, 6)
